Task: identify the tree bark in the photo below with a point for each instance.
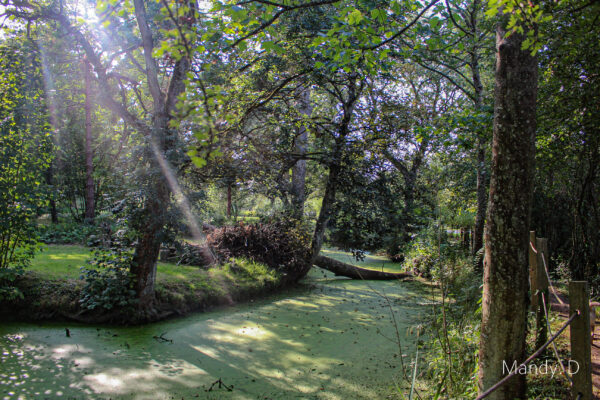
(298, 189)
(351, 271)
(326, 206)
(89, 152)
(505, 300)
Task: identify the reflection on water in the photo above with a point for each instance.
(330, 339)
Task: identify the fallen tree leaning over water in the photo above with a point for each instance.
(342, 269)
(282, 246)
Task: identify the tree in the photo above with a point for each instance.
(456, 50)
(298, 180)
(25, 148)
(567, 187)
(89, 153)
(505, 287)
(155, 126)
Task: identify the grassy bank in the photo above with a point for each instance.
(52, 286)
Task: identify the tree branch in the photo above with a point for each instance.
(403, 30)
(151, 66)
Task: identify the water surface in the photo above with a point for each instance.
(331, 339)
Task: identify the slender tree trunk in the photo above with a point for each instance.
(89, 152)
(50, 183)
(504, 308)
(410, 181)
(481, 197)
(326, 206)
(481, 175)
(229, 201)
(300, 146)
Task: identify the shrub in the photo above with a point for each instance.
(454, 335)
(282, 245)
(187, 254)
(65, 233)
(25, 154)
(109, 283)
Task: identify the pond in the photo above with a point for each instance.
(331, 338)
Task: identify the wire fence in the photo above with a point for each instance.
(547, 274)
(530, 359)
(549, 342)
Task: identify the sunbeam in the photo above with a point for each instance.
(180, 198)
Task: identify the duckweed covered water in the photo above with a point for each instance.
(331, 339)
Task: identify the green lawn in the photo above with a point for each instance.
(60, 261)
(65, 261)
(372, 261)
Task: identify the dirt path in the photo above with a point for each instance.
(562, 307)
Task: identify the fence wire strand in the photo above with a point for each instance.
(550, 281)
(532, 247)
(562, 367)
(531, 358)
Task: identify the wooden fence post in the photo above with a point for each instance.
(542, 288)
(533, 272)
(580, 364)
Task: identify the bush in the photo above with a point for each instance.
(25, 154)
(15, 262)
(454, 331)
(187, 254)
(65, 233)
(282, 245)
(109, 283)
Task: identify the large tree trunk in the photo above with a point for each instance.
(149, 242)
(162, 141)
(504, 308)
(298, 189)
(351, 271)
(89, 152)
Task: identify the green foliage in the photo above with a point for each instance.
(566, 207)
(65, 233)
(7, 278)
(109, 284)
(522, 18)
(188, 254)
(366, 215)
(453, 347)
(24, 156)
(251, 270)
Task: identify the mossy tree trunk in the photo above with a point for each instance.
(504, 308)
